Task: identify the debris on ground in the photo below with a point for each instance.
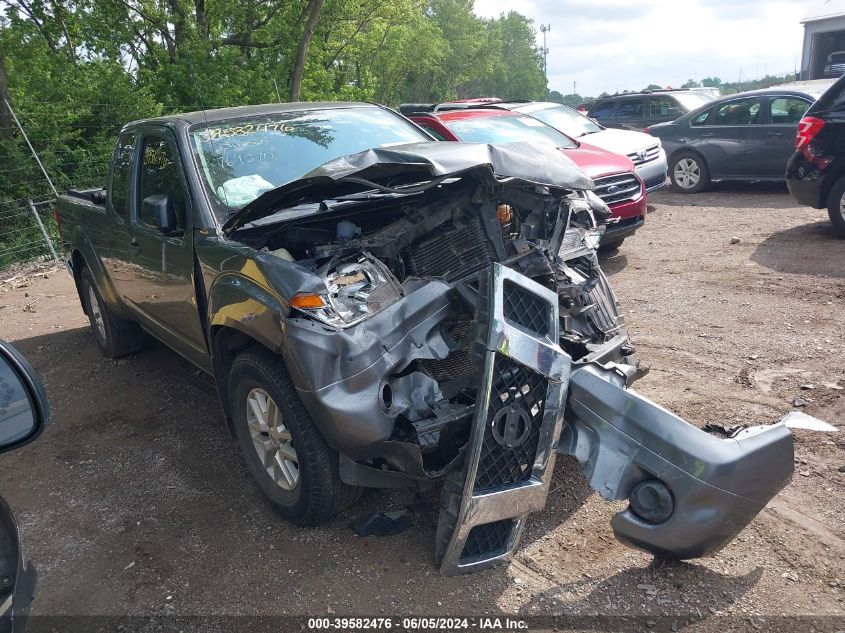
(801, 402)
(735, 240)
(381, 523)
(799, 420)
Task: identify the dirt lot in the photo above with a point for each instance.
(136, 500)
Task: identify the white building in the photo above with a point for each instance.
(823, 55)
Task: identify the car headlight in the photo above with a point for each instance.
(356, 287)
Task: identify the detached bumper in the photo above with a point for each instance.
(689, 492)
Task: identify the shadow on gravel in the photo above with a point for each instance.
(612, 261)
(747, 195)
(658, 588)
(136, 501)
(808, 249)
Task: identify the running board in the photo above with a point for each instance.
(519, 409)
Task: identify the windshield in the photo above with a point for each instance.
(508, 129)
(567, 121)
(242, 158)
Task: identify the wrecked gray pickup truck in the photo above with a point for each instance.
(421, 313)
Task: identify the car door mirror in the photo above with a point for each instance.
(161, 208)
(23, 403)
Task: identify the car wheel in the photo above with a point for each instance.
(689, 173)
(115, 337)
(836, 207)
(284, 451)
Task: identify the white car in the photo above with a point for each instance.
(644, 150)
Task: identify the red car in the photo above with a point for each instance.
(616, 182)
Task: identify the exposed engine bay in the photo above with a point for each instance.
(371, 255)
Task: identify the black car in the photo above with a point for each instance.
(815, 174)
(746, 136)
(637, 111)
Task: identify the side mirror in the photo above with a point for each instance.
(23, 403)
(160, 207)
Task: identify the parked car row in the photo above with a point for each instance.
(624, 165)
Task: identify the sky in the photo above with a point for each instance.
(614, 45)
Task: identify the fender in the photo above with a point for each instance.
(81, 243)
(239, 304)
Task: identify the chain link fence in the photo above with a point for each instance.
(56, 147)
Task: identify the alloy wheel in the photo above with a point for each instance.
(687, 173)
(272, 439)
(842, 207)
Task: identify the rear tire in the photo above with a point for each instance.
(836, 207)
(115, 337)
(284, 451)
(688, 173)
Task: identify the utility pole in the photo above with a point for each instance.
(575, 87)
(545, 28)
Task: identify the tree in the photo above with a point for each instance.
(690, 83)
(555, 96)
(5, 116)
(711, 82)
(518, 73)
(653, 87)
(573, 100)
(314, 8)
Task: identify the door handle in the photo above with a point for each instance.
(708, 135)
(774, 134)
(134, 246)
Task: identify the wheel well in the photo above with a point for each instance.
(829, 183)
(687, 150)
(78, 262)
(226, 344)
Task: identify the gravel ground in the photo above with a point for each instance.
(136, 500)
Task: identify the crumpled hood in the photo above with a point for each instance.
(494, 164)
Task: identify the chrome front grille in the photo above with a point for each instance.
(646, 155)
(518, 414)
(618, 188)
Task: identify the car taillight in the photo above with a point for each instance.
(808, 128)
(646, 130)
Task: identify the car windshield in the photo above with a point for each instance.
(567, 121)
(244, 157)
(691, 100)
(508, 129)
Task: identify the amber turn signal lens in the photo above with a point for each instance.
(503, 212)
(307, 301)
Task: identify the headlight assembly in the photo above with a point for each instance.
(356, 287)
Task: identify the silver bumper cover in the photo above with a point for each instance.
(689, 492)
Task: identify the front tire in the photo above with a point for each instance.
(284, 451)
(115, 337)
(688, 173)
(836, 207)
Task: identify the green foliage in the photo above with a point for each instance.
(78, 70)
(690, 83)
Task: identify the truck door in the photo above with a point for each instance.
(162, 291)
